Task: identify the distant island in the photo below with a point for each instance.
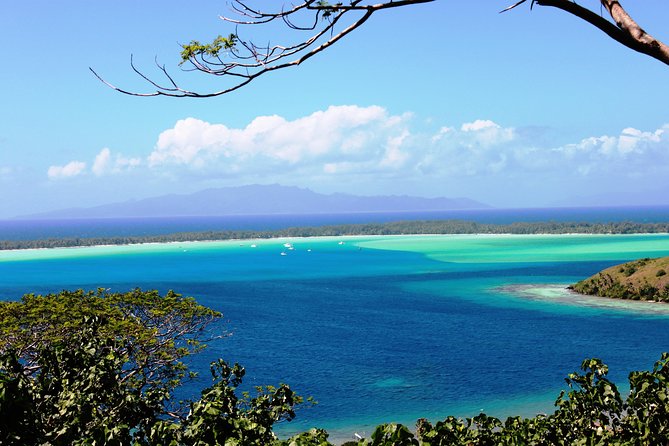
(365, 229)
(259, 199)
(644, 279)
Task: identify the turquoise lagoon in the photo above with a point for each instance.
(381, 329)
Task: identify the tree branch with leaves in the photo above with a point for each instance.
(318, 24)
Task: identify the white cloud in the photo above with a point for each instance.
(123, 163)
(359, 145)
(440, 134)
(340, 134)
(369, 141)
(351, 148)
(370, 150)
(485, 147)
(630, 141)
(478, 125)
(483, 134)
(394, 156)
(105, 163)
(632, 152)
(70, 169)
(478, 147)
(102, 161)
(633, 140)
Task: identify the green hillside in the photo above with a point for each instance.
(645, 279)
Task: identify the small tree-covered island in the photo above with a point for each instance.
(93, 368)
(644, 279)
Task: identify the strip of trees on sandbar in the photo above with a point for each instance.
(419, 227)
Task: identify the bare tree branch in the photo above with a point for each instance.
(625, 30)
(646, 43)
(241, 61)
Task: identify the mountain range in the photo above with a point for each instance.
(261, 200)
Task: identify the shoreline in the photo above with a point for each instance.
(312, 237)
(395, 228)
(560, 294)
(423, 243)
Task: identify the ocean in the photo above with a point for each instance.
(381, 329)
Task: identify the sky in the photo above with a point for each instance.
(451, 98)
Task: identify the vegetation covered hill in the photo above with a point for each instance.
(644, 279)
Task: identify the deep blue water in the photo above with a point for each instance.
(373, 335)
(45, 228)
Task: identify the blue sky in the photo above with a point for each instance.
(522, 109)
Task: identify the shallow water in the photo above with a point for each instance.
(383, 329)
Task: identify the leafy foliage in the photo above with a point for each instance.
(221, 417)
(150, 332)
(196, 49)
(76, 396)
(83, 368)
(327, 8)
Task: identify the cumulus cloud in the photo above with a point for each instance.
(338, 134)
(102, 161)
(105, 163)
(348, 147)
(71, 169)
(477, 147)
(369, 141)
(630, 142)
(485, 147)
(632, 152)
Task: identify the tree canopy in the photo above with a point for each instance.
(157, 331)
(101, 368)
(318, 24)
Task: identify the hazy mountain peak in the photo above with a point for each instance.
(261, 200)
